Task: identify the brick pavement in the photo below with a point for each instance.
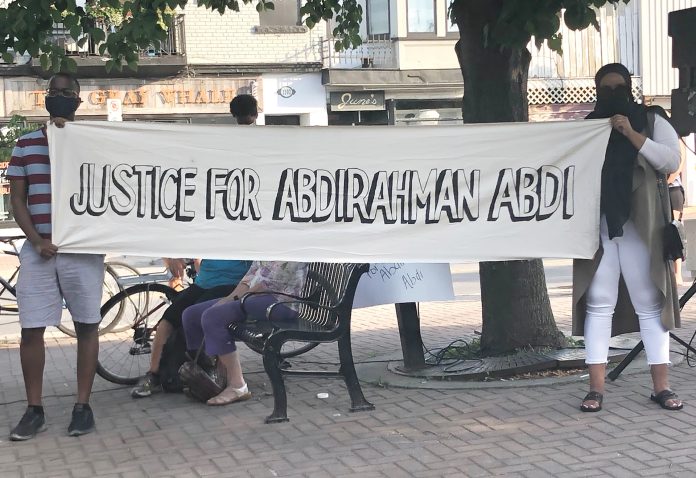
(520, 432)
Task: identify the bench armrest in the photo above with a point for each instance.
(310, 303)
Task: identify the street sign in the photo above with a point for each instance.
(114, 109)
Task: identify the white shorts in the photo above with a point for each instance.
(43, 284)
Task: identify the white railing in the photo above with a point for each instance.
(556, 91)
(373, 53)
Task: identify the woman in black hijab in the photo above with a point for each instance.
(629, 276)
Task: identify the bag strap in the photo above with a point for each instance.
(661, 178)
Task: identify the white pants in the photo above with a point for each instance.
(628, 256)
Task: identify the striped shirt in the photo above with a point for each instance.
(30, 163)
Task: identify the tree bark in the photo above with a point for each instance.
(515, 303)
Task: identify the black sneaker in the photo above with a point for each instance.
(82, 420)
(147, 385)
(32, 422)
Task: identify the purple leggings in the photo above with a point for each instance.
(211, 321)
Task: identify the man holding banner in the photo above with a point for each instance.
(49, 277)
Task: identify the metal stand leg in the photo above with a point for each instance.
(614, 374)
(683, 343)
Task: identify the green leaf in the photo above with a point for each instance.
(555, 43)
(75, 32)
(44, 61)
(7, 57)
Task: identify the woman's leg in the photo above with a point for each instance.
(215, 322)
(647, 302)
(191, 321)
(601, 301)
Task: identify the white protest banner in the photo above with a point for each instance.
(338, 194)
(398, 282)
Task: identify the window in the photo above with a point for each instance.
(378, 17)
(286, 13)
(421, 16)
(452, 28)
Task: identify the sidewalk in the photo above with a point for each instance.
(514, 432)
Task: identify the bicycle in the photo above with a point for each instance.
(124, 351)
(111, 286)
(124, 355)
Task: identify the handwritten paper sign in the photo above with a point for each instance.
(398, 282)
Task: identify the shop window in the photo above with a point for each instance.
(359, 118)
(421, 16)
(285, 13)
(282, 120)
(378, 18)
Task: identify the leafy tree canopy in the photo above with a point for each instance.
(26, 25)
(517, 21)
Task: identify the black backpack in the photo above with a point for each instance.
(173, 357)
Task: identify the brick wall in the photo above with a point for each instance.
(231, 39)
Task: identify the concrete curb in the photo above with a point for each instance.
(376, 372)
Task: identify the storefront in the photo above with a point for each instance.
(293, 99)
(394, 97)
(199, 100)
(184, 100)
(351, 108)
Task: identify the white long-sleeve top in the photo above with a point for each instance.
(662, 150)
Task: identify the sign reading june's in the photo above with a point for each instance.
(340, 194)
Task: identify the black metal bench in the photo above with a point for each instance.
(325, 307)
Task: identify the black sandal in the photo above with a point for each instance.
(594, 396)
(663, 397)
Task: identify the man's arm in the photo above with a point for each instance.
(18, 199)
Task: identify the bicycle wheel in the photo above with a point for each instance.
(117, 270)
(8, 293)
(125, 356)
(110, 288)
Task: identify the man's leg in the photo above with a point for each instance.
(171, 320)
(40, 305)
(81, 277)
(87, 357)
(32, 355)
(164, 331)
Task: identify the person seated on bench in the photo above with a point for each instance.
(215, 279)
(209, 320)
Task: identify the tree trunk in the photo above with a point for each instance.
(515, 302)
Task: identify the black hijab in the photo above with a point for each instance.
(620, 158)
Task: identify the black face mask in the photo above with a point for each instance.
(614, 101)
(61, 106)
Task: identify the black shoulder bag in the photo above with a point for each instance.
(673, 237)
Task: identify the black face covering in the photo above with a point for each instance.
(614, 101)
(61, 106)
(617, 173)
